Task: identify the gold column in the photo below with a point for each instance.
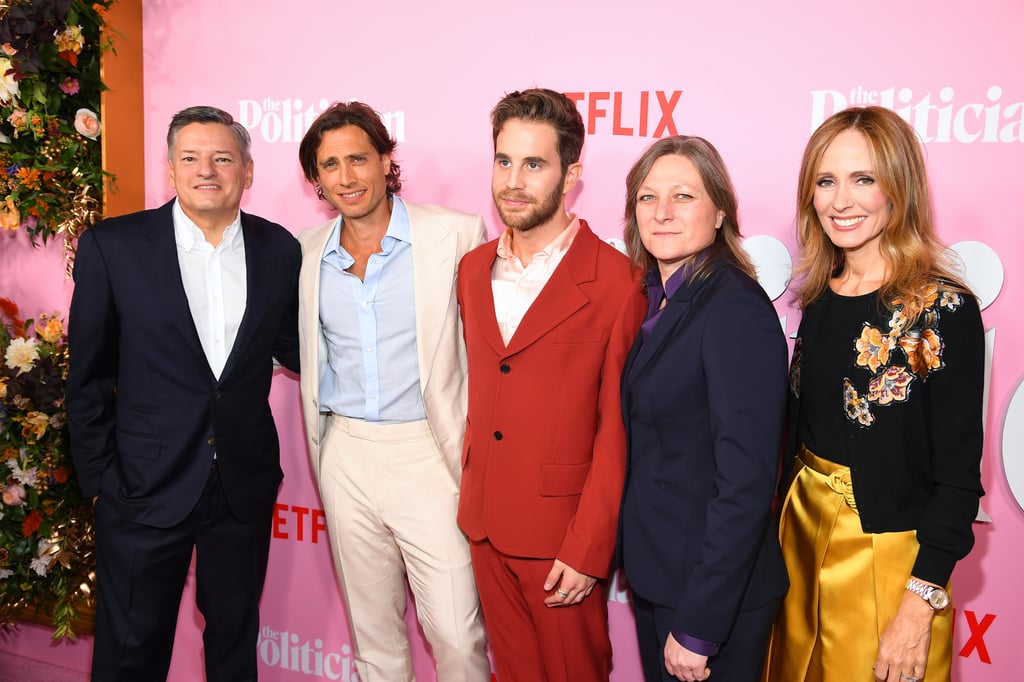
(121, 110)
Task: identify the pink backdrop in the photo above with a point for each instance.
(753, 79)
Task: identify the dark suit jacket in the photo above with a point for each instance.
(703, 402)
(145, 411)
(545, 453)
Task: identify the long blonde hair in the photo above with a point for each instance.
(913, 253)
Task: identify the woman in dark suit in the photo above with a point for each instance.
(703, 394)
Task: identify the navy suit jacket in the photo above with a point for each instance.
(145, 411)
(703, 401)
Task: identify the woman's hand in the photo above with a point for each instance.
(903, 649)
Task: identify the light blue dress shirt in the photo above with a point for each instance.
(372, 370)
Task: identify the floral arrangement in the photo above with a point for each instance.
(47, 559)
(51, 172)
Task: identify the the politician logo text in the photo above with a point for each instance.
(287, 120)
(937, 117)
(288, 651)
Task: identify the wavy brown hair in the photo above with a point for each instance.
(914, 256)
(713, 173)
(541, 105)
(339, 115)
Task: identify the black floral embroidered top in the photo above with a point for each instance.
(901, 406)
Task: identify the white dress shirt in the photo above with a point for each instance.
(515, 287)
(214, 279)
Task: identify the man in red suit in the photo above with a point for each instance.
(549, 312)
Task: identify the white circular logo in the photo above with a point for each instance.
(773, 262)
(618, 244)
(1013, 444)
(981, 268)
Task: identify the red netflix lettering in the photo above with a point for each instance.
(631, 114)
(292, 523)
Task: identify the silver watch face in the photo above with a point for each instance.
(939, 599)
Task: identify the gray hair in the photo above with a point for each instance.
(207, 115)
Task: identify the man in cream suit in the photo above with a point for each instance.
(384, 398)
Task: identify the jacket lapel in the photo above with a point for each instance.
(676, 309)
(476, 288)
(257, 289)
(433, 269)
(165, 276)
(310, 332)
(561, 296)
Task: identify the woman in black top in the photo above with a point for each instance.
(882, 475)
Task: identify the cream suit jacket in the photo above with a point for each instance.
(440, 237)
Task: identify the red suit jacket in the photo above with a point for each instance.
(545, 449)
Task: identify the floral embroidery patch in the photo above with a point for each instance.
(873, 348)
(890, 380)
(857, 409)
(889, 386)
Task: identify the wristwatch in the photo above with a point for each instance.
(936, 597)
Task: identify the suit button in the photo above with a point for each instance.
(498, 435)
(216, 395)
(505, 369)
(211, 441)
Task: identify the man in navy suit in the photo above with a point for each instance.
(176, 317)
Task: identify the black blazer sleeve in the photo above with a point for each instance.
(92, 377)
(743, 354)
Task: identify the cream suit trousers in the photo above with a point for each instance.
(390, 504)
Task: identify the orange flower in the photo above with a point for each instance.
(60, 474)
(70, 57)
(873, 348)
(31, 523)
(10, 218)
(924, 353)
(29, 177)
(857, 408)
(34, 426)
(69, 40)
(51, 331)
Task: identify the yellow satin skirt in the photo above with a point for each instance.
(845, 584)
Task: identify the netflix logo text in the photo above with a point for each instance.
(631, 114)
(301, 524)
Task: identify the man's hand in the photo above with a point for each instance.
(684, 664)
(572, 586)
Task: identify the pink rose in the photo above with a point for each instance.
(14, 495)
(87, 123)
(18, 118)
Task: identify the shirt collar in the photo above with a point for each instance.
(676, 280)
(560, 243)
(398, 230)
(187, 234)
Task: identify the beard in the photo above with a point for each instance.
(536, 215)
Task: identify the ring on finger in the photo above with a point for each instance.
(565, 595)
(909, 678)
